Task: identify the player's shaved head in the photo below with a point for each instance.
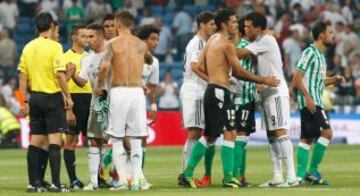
(125, 18)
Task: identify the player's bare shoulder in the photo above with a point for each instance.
(109, 49)
(141, 45)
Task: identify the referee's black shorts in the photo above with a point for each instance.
(47, 113)
(81, 110)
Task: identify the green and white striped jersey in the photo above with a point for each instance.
(244, 91)
(313, 64)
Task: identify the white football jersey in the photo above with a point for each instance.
(150, 74)
(267, 51)
(193, 86)
(90, 65)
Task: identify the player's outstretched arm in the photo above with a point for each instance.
(104, 68)
(334, 80)
(242, 52)
(199, 68)
(79, 80)
(299, 84)
(241, 73)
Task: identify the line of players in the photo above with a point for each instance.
(217, 114)
(219, 93)
(75, 74)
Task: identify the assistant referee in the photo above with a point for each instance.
(40, 65)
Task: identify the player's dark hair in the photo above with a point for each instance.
(223, 16)
(126, 18)
(145, 31)
(76, 29)
(257, 19)
(320, 27)
(43, 22)
(56, 24)
(204, 17)
(108, 17)
(96, 27)
(241, 26)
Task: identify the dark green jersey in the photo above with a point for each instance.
(244, 90)
(313, 64)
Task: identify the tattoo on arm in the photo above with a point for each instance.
(108, 53)
(105, 65)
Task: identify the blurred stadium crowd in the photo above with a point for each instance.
(290, 20)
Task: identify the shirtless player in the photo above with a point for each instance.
(125, 57)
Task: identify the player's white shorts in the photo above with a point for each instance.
(193, 113)
(276, 113)
(127, 112)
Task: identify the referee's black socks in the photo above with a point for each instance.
(43, 160)
(55, 162)
(33, 156)
(69, 158)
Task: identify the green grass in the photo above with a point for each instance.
(341, 168)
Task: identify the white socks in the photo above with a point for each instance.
(94, 164)
(136, 159)
(119, 159)
(275, 156)
(189, 144)
(129, 168)
(287, 155)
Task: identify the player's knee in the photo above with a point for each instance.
(280, 132)
(194, 133)
(54, 138)
(39, 141)
(242, 133)
(306, 141)
(230, 135)
(210, 140)
(71, 142)
(327, 134)
(95, 143)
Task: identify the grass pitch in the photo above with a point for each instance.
(341, 167)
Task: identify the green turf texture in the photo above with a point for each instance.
(341, 167)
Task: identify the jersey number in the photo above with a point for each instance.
(244, 115)
(231, 114)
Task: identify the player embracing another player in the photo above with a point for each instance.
(217, 61)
